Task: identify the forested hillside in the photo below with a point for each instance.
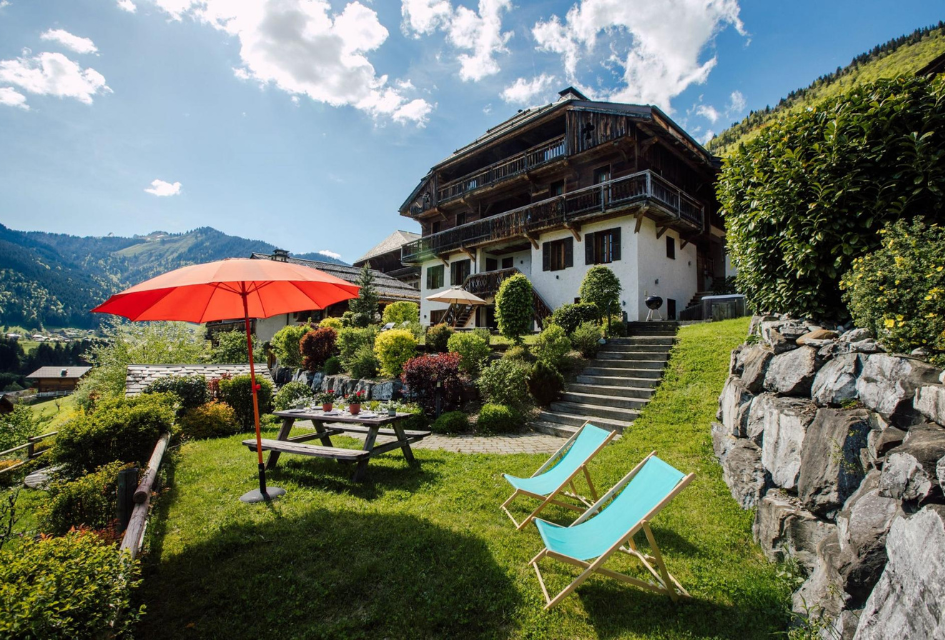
(903, 55)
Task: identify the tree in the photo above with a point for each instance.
(601, 287)
(514, 307)
(364, 307)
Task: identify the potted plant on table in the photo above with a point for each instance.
(354, 402)
(326, 399)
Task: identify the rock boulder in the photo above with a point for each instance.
(835, 383)
(817, 334)
(822, 596)
(785, 529)
(830, 459)
(785, 425)
(755, 363)
(930, 402)
(887, 385)
(733, 406)
(910, 473)
(743, 472)
(792, 373)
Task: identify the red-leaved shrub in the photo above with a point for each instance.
(317, 346)
(422, 374)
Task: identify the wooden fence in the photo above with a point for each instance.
(140, 499)
(31, 453)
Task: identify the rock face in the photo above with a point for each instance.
(733, 406)
(910, 472)
(785, 425)
(822, 593)
(755, 427)
(744, 474)
(755, 363)
(818, 335)
(785, 529)
(830, 469)
(930, 402)
(907, 602)
(835, 383)
(792, 373)
(888, 384)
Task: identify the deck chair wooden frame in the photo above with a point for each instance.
(665, 583)
(552, 498)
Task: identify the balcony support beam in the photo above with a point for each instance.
(574, 228)
(660, 231)
(636, 227)
(532, 239)
(472, 256)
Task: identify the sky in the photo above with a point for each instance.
(306, 123)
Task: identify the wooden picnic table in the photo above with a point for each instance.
(335, 423)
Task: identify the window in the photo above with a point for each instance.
(435, 277)
(459, 271)
(492, 264)
(670, 248)
(601, 174)
(460, 219)
(436, 317)
(435, 227)
(556, 188)
(508, 263)
(557, 255)
(602, 247)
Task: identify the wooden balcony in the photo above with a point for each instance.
(666, 203)
(503, 170)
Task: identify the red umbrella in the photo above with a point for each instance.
(229, 289)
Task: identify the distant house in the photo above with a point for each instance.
(7, 403)
(139, 376)
(385, 257)
(57, 380)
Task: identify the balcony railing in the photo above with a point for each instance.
(671, 205)
(503, 170)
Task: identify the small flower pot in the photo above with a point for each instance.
(326, 407)
(354, 409)
(392, 412)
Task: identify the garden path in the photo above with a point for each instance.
(501, 444)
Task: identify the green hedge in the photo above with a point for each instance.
(514, 307)
(499, 418)
(90, 501)
(238, 393)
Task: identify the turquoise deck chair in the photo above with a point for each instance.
(601, 532)
(550, 480)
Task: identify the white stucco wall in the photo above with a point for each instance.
(267, 327)
(425, 305)
(676, 278)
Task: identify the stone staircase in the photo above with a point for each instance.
(615, 386)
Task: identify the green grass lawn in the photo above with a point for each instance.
(426, 553)
(58, 409)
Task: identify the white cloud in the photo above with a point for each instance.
(478, 34)
(4, 4)
(708, 136)
(330, 254)
(127, 5)
(70, 41)
(709, 112)
(12, 98)
(53, 74)
(657, 45)
(162, 189)
(736, 104)
(524, 91)
(302, 48)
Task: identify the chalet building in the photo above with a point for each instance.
(559, 188)
(385, 257)
(57, 380)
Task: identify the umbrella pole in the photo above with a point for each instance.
(261, 494)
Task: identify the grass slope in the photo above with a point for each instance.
(426, 553)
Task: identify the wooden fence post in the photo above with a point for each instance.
(127, 483)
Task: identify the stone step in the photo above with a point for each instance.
(617, 381)
(554, 428)
(633, 356)
(626, 391)
(653, 324)
(595, 411)
(576, 420)
(637, 348)
(607, 369)
(601, 400)
(612, 363)
(653, 333)
(641, 340)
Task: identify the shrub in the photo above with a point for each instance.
(418, 420)
(898, 291)
(190, 391)
(586, 339)
(499, 418)
(364, 307)
(514, 307)
(417, 329)
(570, 316)
(516, 352)
(601, 288)
(438, 337)
(333, 366)
(285, 344)
(616, 327)
(398, 312)
(810, 192)
(331, 323)
(124, 429)
(504, 382)
(552, 346)
(19, 425)
(483, 333)
(76, 586)
(90, 501)
(211, 420)
(230, 348)
(422, 374)
(8, 479)
(393, 349)
(473, 350)
(544, 383)
(351, 340)
(292, 394)
(364, 364)
(451, 422)
(316, 347)
(238, 393)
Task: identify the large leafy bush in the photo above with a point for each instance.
(809, 194)
(364, 364)
(403, 311)
(570, 316)
(230, 348)
(544, 383)
(238, 393)
(421, 376)
(285, 344)
(451, 422)
(89, 501)
(393, 349)
(19, 425)
(499, 418)
(473, 349)
(438, 338)
(317, 346)
(190, 391)
(351, 340)
(505, 382)
(601, 288)
(211, 420)
(292, 394)
(898, 291)
(552, 346)
(586, 339)
(514, 307)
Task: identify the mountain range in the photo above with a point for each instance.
(52, 279)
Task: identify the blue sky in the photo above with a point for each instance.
(306, 123)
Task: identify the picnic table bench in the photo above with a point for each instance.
(336, 423)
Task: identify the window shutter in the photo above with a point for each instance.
(429, 277)
(568, 252)
(454, 273)
(545, 256)
(616, 244)
(588, 248)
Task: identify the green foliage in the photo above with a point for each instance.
(333, 366)
(211, 420)
(809, 194)
(230, 348)
(451, 422)
(364, 307)
(333, 323)
(19, 425)
(393, 349)
(352, 340)
(438, 337)
(316, 347)
(238, 393)
(514, 307)
(473, 350)
(505, 382)
(544, 383)
(364, 363)
(76, 586)
(190, 391)
(499, 418)
(516, 352)
(586, 339)
(398, 312)
(570, 316)
(552, 346)
(291, 395)
(898, 291)
(124, 429)
(601, 287)
(90, 501)
(285, 343)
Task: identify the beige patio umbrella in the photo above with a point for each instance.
(456, 295)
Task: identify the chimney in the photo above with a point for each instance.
(280, 255)
(64, 372)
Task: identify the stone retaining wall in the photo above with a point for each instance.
(372, 389)
(840, 449)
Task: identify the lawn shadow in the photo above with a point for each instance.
(331, 574)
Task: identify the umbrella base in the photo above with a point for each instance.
(271, 493)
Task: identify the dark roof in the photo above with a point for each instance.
(139, 376)
(389, 289)
(935, 66)
(393, 242)
(65, 373)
